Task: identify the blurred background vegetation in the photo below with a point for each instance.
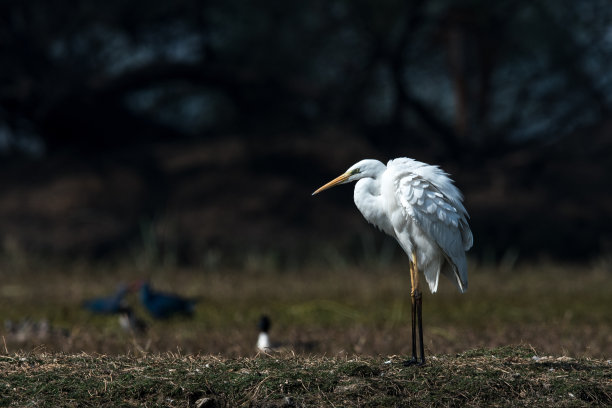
(193, 132)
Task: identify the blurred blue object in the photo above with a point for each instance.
(163, 305)
(108, 305)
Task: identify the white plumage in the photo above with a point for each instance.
(418, 205)
(429, 218)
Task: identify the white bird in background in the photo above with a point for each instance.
(419, 206)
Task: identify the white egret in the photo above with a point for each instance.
(419, 206)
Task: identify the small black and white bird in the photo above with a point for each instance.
(263, 341)
(265, 345)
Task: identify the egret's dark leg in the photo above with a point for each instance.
(419, 308)
(416, 301)
(414, 323)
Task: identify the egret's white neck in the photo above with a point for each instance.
(369, 201)
(366, 190)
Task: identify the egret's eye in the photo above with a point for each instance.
(354, 171)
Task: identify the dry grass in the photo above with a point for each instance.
(508, 376)
(332, 310)
(345, 331)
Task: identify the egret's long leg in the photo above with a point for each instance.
(419, 307)
(416, 301)
(414, 314)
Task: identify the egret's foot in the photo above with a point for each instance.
(414, 361)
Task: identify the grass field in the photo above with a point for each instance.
(339, 325)
(335, 310)
(506, 376)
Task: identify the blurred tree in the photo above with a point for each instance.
(454, 74)
(489, 83)
(458, 73)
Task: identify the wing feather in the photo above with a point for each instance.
(433, 202)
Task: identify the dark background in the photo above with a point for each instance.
(197, 130)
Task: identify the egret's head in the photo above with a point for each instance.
(365, 168)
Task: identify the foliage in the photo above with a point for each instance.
(455, 73)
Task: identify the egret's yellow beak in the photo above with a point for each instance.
(336, 181)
